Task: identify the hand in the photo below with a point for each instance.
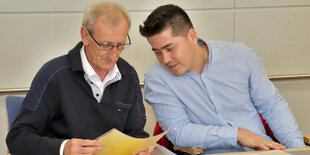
(148, 151)
(81, 146)
(252, 140)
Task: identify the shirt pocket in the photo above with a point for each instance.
(122, 112)
(122, 106)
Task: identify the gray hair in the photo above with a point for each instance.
(111, 10)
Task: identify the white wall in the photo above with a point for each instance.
(36, 31)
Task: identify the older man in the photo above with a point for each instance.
(79, 96)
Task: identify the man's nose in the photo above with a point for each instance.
(114, 53)
(166, 57)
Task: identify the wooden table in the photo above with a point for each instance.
(292, 151)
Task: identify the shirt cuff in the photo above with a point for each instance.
(62, 147)
(231, 137)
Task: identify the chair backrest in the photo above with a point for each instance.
(13, 105)
(267, 128)
(162, 141)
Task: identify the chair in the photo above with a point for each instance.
(195, 150)
(270, 133)
(13, 105)
(178, 150)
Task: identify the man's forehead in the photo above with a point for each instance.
(113, 20)
(110, 30)
(161, 42)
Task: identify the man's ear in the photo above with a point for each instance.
(192, 35)
(84, 36)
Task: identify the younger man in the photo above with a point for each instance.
(210, 94)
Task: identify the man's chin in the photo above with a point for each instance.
(176, 73)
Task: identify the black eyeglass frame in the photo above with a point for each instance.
(109, 47)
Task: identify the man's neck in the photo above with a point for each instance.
(202, 58)
(102, 74)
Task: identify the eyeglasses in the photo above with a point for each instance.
(109, 46)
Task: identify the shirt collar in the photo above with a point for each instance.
(75, 58)
(202, 42)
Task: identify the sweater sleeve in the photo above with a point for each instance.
(136, 117)
(28, 132)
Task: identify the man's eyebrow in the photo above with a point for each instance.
(166, 46)
(153, 49)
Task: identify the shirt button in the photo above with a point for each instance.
(211, 96)
(97, 95)
(174, 129)
(202, 76)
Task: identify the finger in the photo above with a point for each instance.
(277, 146)
(150, 149)
(280, 146)
(86, 142)
(80, 146)
(273, 145)
(87, 154)
(265, 147)
(142, 153)
(88, 149)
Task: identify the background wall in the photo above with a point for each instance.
(36, 31)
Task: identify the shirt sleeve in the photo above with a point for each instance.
(272, 105)
(172, 117)
(62, 147)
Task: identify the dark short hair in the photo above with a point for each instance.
(166, 16)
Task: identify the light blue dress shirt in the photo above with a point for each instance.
(205, 110)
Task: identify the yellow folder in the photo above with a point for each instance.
(115, 142)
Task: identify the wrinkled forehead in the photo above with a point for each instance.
(111, 26)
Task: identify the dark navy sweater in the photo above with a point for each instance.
(60, 105)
